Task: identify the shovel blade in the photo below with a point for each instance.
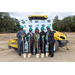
(24, 55)
(42, 55)
(47, 54)
(37, 55)
(29, 55)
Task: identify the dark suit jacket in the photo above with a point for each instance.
(41, 34)
(51, 37)
(31, 38)
(19, 37)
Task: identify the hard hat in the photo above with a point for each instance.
(21, 26)
(36, 28)
(47, 27)
(42, 28)
(30, 28)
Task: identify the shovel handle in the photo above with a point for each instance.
(23, 46)
(37, 46)
(29, 45)
(47, 43)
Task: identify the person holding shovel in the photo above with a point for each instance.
(42, 33)
(51, 41)
(31, 40)
(21, 38)
(35, 39)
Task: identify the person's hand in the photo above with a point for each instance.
(22, 34)
(43, 42)
(36, 41)
(47, 34)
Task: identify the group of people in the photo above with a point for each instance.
(41, 38)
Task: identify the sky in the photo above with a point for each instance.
(51, 15)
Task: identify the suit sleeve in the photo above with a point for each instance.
(25, 34)
(18, 34)
(33, 38)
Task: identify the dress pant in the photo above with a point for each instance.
(31, 48)
(35, 51)
(43, 48)
(51, 47)
(20, 48)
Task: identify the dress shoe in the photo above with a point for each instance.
(49, 54)
(19, 54)
(52, 56)
(32, 53)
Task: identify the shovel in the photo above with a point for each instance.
(29, 54)
(42, 54)
(47, 53)
(37, 55)
(24, 54)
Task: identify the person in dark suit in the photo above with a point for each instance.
(51, 41)
(31, 40)
(20, 41)
(42, 33)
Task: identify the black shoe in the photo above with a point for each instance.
(49, 54)
(19, 54)
(32, 53)
(52, 56)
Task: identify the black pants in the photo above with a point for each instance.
(51, 47)
(31, 48)
(43, 48)
(36, 51)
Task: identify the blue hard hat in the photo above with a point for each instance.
(47, 27)
(21, 26)
(30, 28)
(42, 28)
(36, 28)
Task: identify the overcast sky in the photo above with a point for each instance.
(51, 15)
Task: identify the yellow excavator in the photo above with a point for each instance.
(60, 38)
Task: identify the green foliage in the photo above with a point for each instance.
(67, 24)
(8, 24)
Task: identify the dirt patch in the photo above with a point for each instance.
(62, 55)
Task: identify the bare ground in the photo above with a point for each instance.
(62, 55)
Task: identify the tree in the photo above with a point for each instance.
(7, 23)
(66, 24)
